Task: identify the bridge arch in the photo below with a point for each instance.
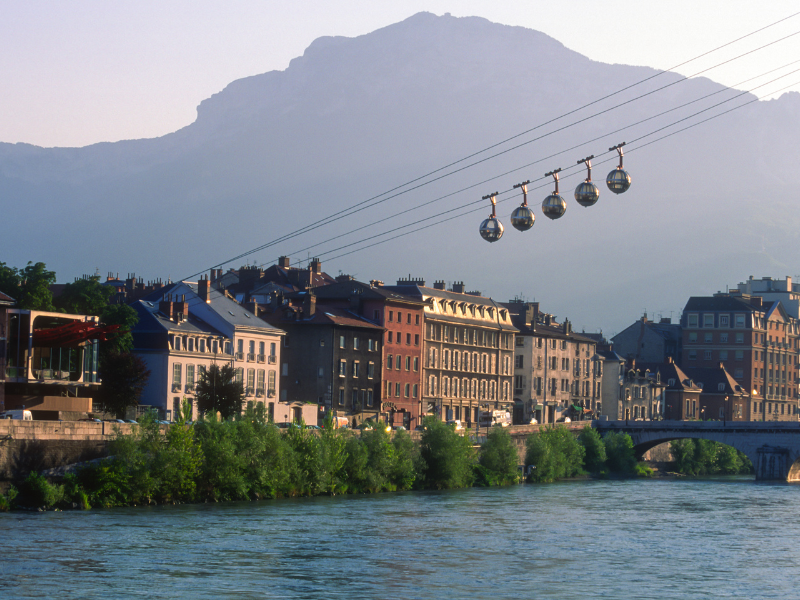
(773, 448)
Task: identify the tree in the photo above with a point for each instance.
(554, 453)
(30, 286)
(126, 317)
(85, 297)
(619, 452)
(499, 458)
(595, 458)
(446, 458)
(124, 376)
(218, 391)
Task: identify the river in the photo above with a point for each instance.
(716, 538)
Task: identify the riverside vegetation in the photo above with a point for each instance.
(249, 458)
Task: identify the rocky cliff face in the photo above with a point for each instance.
(352, 118)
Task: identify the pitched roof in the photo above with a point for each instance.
(670, 371)
(713, 303)
(151, 320)
(346, 289)
(712, 377)
(323, 315)
(6, 299)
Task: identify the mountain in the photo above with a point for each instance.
(354, 117)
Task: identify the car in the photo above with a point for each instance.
(90, 420)
(312, 427)
(399, 428)
(456, 423)
(131, 421)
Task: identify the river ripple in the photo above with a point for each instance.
(722, 538)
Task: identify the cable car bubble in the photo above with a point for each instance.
(523, 218)
(618, 181)
(587, 193)
(554, 206)
(491, 229)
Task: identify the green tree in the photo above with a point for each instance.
(30, 286)
(85, 297)
(446, 458)
(404, 472)
(499, 459)
(126, 318)
(554, 453)
(218, 391)
(594, 460)
(620, 457)
(124, 376)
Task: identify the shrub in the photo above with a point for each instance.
(554, 453)
(446, 458)
(594, 460)
(499, 459)
(620, 457)
(7, 501)
(37, 492)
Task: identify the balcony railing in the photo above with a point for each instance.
(176, 387)
(260, 358)
(272, 359)
(250, 391)
(239, 356)
(271, 393)
(259, 392)
(189, 388)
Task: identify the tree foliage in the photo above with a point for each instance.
(554, 453)
(29, 286)
(85, 297)
(499, 459)
(619, 451)
(594, 460)
(124, 376)
(705, 457)
(445, 457)
(218, 391)
(126, 318)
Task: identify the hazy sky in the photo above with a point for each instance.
(82, 71)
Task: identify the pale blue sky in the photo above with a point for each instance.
(82, 71)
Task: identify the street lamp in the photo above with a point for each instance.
(725, 413)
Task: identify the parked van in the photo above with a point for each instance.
(496, 417)
(17, 415)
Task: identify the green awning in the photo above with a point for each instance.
(538, 407)
(577, 408)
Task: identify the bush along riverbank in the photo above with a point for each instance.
(555, 453)
(249, 458)
(704, 457)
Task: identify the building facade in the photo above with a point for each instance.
(467, 352)
(650, 342)
(554, 374)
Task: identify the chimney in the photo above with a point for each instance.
(439, 285)
(756, 301)
(458, 287)
(284, 262)
(166, 306)
(309, 305)
(252, 306)
(411, 281)
(375, 283)
(315, 266)
(202, 289)
(567, 327)
(474, 293)
(180, 309)
(344, 278)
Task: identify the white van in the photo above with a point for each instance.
(17, 415)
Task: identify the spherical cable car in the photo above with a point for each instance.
(554, 206)
(618, 181)
(491, 229)
(587, 193)
(523, 218)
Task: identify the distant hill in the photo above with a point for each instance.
(354, 117)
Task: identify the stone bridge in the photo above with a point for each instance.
(774, 448)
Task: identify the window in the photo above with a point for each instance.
(739, 355)
(177, 375)
(738, 373)
(341, 342)
(355, 343)
(519, 382)
(356, 366)
(398, 361)
(342, 368)
(406, 390)
(397, 390)
(414, 391)
(322, 343)
(739, 321)
(202, 345)
(416, 363)
(408, 318)
(285, 369)
(190, 347)
(390, 362)
(723, 355)
(708, 320)
(692, 355)
(371, 345)
(190, 377)
(391, 336)
(408, 339)
(408, 363)
(691, 321)
(376, 316)
(708, 338)
(239, 376)
(251, 382)
(740, 338)
(416, 322)
(724, 320)
(723, 338)
(354, 399)
(370, 370)
(341, 396)
(391, 315)
(369, 397)
(693, 337)
(399, 317)
(416, 339)
(518, 360)
(707, 355)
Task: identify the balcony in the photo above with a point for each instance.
(271, 394)
(259, 392)
(250, 391)
(190, 388)
(272, 359)
(261, 358)
(176, 387)
(239, 356)
(251, 358)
